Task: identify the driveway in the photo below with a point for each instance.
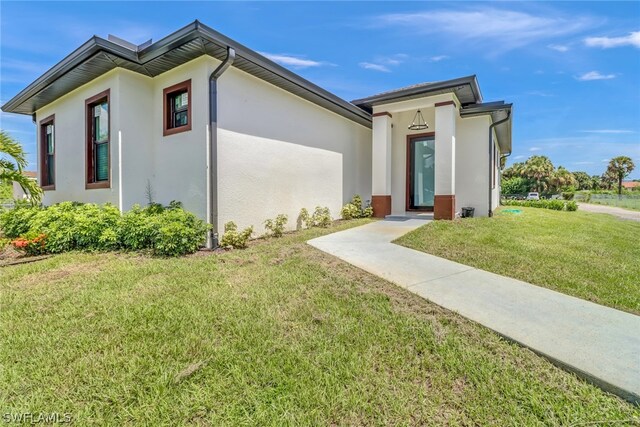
(612, 210)
(598, 343)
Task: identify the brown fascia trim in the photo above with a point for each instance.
(42, 123)
(382, 113)
(88, 184)
(166, 130)
(442, 104)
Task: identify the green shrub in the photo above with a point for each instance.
(233, 238)
(571, 206)
(276, 226)
(31, 244)
(556, 205)
(178, 232)
(568, 195)
(167, 231)
(137, 231)
(321, 217)
(17, 221)
(304, 219)
(353, 209)
(350, 211)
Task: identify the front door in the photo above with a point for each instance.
(420, 172)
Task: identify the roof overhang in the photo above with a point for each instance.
(466, 90)
(497, 111)
(98, 56)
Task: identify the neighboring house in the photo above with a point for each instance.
(18, 192)
(234, 136)
(631, 185)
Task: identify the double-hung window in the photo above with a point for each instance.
(47, 153)
(177, 108)
(98, 134)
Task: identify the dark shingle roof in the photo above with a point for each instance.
(466, 90)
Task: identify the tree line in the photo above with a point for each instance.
(537, 173)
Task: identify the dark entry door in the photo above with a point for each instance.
(421, 172)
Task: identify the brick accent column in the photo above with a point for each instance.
(381, 165)
(445, 157)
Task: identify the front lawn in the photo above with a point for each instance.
(591, 256)
(278, 334)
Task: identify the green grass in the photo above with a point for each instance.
(591, 256)
(625, 202)
(278, 334)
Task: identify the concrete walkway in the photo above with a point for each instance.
(611, 210)
(598, 343)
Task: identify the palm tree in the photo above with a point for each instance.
(561, 178)
(620, 167)
(538, 169)
(13, 160)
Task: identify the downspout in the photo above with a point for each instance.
(212, 240)
(491, 149)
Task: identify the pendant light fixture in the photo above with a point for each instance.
(418, 122)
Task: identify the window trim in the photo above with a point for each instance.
(88, 124)
(43, 156)
(166, 108)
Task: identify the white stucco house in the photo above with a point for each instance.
(202, 119)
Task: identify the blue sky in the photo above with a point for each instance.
(572, 69)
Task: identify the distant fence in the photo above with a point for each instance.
(627, 201)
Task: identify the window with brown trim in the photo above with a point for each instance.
(98, 137)
(47, 153)
(177, 108)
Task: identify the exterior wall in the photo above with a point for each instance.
(472, 164)
(278, 153)
(136, 132)
(70, 143)
(180, 160)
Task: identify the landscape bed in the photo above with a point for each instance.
(277, 334)
(590, 256)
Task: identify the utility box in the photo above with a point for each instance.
(467, 212)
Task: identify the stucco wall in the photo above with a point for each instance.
(137, 137)
(180, 160)
(279, 153)
(70, 143)
(472, 169)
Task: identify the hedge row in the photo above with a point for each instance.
(67, 226)
(556, 205)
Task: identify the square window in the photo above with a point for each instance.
(177, 108)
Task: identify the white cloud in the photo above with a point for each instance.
(559, 47)
(500, 28)
(633, 39)
(582, 163)
(293, 61)
(540, 93)
(375, 67)
(595, 75)
(385, 63)
(438, 58)
(535, 149)
(608, 131)
(519, 157)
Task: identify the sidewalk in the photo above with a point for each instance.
(598, 343)
(611, 210)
